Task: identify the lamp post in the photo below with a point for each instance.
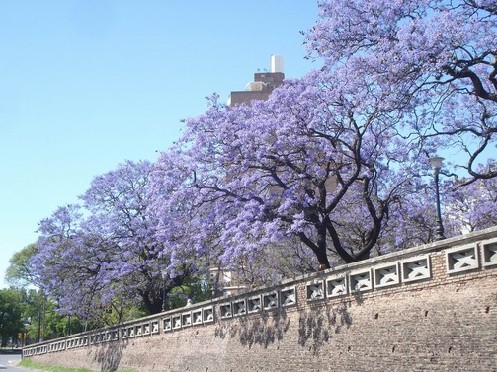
(164, 277)
(436, 165)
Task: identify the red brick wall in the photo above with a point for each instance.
(446, 322)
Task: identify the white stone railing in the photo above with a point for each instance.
(475, 251)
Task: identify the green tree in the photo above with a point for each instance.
(20, 273)
(11, 315)
(43, 321)
(39, 312)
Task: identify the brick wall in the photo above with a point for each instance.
(430, 308)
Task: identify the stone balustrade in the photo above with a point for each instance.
(469, 253)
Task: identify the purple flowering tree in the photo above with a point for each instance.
(337, 158)
(105, 249)
(471, 207)
(467, 207)
(313, 162)
(436, 58)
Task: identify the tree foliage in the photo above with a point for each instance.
(103, 253)
(291, 166)
(333, 167)
(434, 59)
(473, 207)
(11, 317)
(20, 272)
(332, 157)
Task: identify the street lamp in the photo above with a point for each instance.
(436, 165)
(164, 274)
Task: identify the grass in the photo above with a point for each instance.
(29, 363)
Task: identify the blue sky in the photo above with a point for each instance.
(87, 84)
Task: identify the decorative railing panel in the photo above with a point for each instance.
(288, 296)
(254, 304)
(239, 307)
(462, 259)
(396, 270)
(315, 290)
(489, 253)
(270, 301)
(360, 281)
(386, 275)
(336, 286)
(416, 268)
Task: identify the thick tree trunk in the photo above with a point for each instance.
(319, 252)
(153, 304)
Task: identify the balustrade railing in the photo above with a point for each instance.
(477, 251)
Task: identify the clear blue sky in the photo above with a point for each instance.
(87, 84)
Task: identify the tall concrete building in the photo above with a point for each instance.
(262, 86)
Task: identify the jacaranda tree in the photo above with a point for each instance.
(330, 158)
(437, 59)
(336, 160)
(105, 250)
(310, 162)
(472, 207)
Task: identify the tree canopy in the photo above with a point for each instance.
(89, 255)
(434, 59)
(20, 271)
(335, 162)
(11, 317)
(332, 156)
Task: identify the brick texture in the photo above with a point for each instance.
(447, 322)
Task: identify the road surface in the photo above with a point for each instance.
(8, 362)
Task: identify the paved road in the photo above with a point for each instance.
(8, 363)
